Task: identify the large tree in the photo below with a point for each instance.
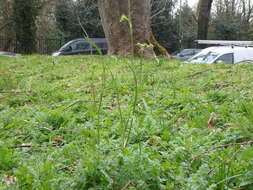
(123, 37)
(6, 24)
(204, 10)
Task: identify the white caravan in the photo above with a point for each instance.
(223, 54)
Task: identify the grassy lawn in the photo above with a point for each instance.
(90, 122)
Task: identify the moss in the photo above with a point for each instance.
(158, 48)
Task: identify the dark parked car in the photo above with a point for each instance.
(186, 54)
(83, 47)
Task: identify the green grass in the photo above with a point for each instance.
(91, 122)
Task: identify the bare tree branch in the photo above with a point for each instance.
(5, 25)
(158, 12)
(221, 146)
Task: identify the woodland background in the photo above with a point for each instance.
(42, 26)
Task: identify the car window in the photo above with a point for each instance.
(205, 57)
(187, 52)
(66, 46)
(175, 53)
(101, 45)
(83, 45)
(80, 46)
(95, 46)
(227, 58)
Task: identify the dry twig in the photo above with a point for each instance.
(30, 146)
(221, 146)
(226, 161)
(85, 101)
(197, 73)
(126, 186)
(16, 92)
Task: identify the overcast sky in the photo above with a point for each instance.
(192, 3)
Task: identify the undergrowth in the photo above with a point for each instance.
(91, 122)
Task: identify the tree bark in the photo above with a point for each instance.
(121, 40)
(204, 9)
(6, 30)
(110, 13)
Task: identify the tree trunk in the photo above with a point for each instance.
(115, 31)
(6, 30)
(121, 40)
(204, 9)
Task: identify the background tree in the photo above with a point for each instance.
(122, 40)
(187, 26)
(24, 15)
(45, 19)
(70, 14)
(163, 23)
(232, 20)
(88, 13)
(203, 15)
(6, 23)
(5, 14)
(65, 18)
(174, 27)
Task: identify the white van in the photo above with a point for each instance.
(223, 54)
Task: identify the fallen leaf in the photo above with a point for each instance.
(111, 107)
(154, 141)
(58, 141)
(9, 179)
(212, 121)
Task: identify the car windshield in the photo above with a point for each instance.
(175, 53)
(66, 45)
(187, 52)
(204, 57)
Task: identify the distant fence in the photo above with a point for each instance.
(42, 46)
